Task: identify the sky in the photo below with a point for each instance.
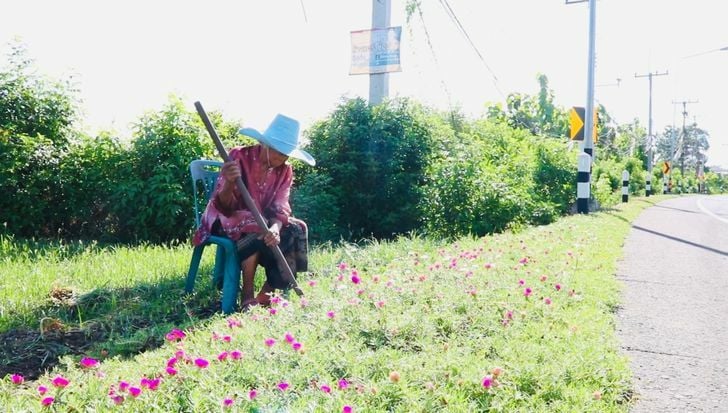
(253, 59)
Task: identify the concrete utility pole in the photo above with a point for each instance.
(648, 183)
(379, 82)
(681, 147)
(588, 143)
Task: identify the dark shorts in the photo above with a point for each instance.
(293, 245)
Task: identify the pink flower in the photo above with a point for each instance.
(272, 311)
(488, 381)
(342, 266)
(330, 314)
(543, 278)
(47, 401)
(171, 371)
(558, 287)
(42, 389)
(380, 304)
(234, 323)
(175, 335)
(547, 301)
(17, 379)
(118, 400)
(201, 363)
(326, 389)
(236, 354)
(60, 381)
(304, 303)
(290, 338)
(135, 391)
(227, 402)
(347, 409)
(355, 279)
(343, 384)
(283, 386)
(527, 292)
(223, 356)
(312, 283)
(489, 265)
(172, 362)
(252, 394)
(269, 342)
(151, 384)
(523, 260)
(123, 386)
(297, 346)
(521, 281)
(88, 362)
(226, 339)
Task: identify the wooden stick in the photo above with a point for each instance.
(282, 264)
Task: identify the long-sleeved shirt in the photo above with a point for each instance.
(269, 190)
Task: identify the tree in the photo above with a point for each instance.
(686, 146)
(32, 105)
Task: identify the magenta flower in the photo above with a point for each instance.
(269, 342)
(290, 338)
(175, 335)
(47, 401)
(88, 362)
(234, 323)
(226, 339)
(60, 381)
(236, 354)
(558, 287)
(272, 311)
(118, 400)
(151, 384)
(312, 283)
(135, 391)
(296, 346)
(342, 266)
(283, 386)
(223, 356)
(172, 362)
(42, 389)
(521, 281)
(326, 389)
(201, 363)
(330, 314)
(171, 371)
(355, 279)
(123, 386)
(343, 384)
(489, 265)
(487, 381)
(347, 409)
(527, 292)
(523, 260)
(252, 394)
(17, 379)
(547, 301)
(227, 402)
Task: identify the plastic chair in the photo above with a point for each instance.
(227, 265)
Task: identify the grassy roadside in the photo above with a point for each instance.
(510, 322)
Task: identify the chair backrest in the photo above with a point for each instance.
(205, 172)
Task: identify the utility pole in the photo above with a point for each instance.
(648, 183)
(681, 144)
(584, 188)
(379, 82)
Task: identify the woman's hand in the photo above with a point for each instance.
(273, 236)
(230, 171)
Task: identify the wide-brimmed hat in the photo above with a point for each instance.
(281, 135)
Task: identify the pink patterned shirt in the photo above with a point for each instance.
(269, 191)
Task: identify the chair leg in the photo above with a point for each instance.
(231, 284)
(194, 266)
(218, 272)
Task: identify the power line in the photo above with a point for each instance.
(451, 13)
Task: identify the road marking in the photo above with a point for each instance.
(705, 210)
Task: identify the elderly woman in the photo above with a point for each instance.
(268, 178)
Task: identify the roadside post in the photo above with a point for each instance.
(625, 186)
(582, 183)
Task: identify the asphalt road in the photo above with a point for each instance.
(673, 319)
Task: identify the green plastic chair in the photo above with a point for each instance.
(227, 265)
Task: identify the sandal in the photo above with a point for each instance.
(248, 304)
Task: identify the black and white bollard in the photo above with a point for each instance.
(664, 184)
(582, 183)
(625, 186)
(648, 185)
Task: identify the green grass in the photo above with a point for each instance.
(428, 310)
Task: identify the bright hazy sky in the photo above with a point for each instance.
(253, 59)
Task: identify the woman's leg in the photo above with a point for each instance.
(249, 266)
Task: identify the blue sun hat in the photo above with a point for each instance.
(281, 135)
